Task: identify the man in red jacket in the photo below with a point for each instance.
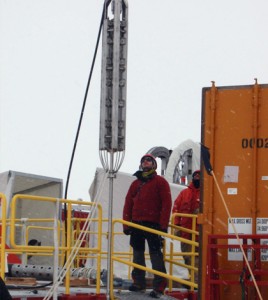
(188, 202)
(148, 203)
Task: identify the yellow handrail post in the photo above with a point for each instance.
(3, 236)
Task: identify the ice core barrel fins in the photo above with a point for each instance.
(114, 76)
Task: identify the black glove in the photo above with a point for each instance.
(127, 231)
(162, 241)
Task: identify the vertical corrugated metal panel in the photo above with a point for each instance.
(235, 128)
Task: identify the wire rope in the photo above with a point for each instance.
(81, 116)
(78, 243)
(84, 105)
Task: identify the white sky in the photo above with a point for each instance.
(175, 49)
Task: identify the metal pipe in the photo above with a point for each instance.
(41, 272)
(110, 228)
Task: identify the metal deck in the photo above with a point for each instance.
(136, 295)
(119, 295)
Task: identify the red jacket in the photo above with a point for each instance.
(187, 202)
(148, 201)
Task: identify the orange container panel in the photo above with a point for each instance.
(235, 129)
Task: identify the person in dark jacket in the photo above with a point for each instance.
(148, 203)
(188, 202)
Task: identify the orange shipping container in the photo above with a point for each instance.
(235, 129)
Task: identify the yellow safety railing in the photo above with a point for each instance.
(3, 235)
(192, 269)
(173, 256)
(76, 233)
(170, 277)
(44, 228)
(66, 249)
(128, 254)
(22, 224)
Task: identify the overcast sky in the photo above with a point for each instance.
(175, 49)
